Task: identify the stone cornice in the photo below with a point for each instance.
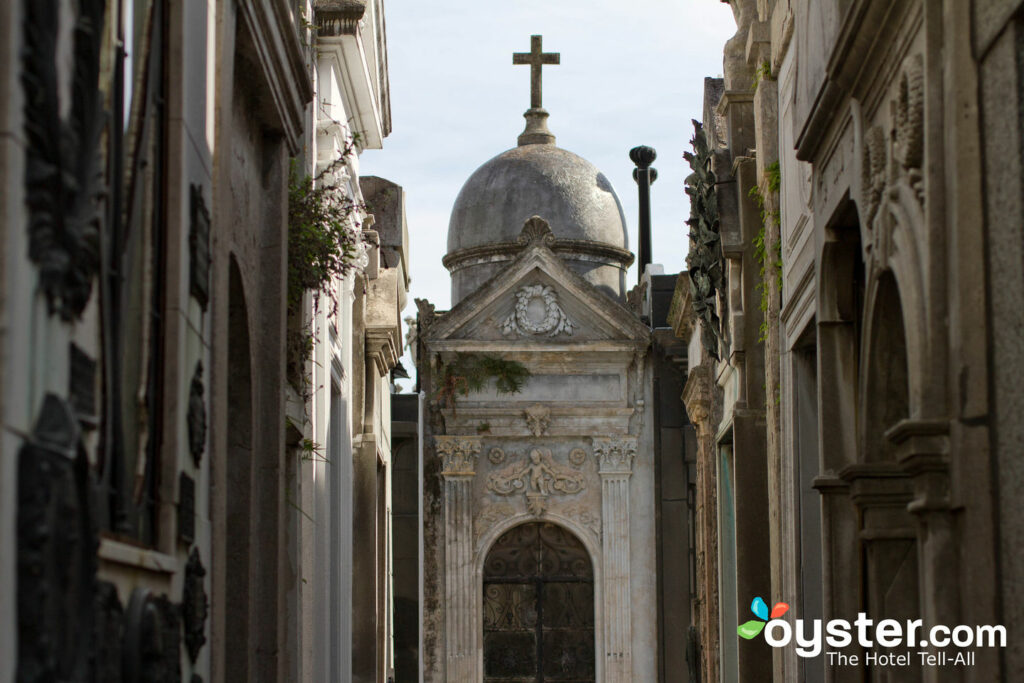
(680, 311)
(506, 251)
(338, 17)
(279, 54)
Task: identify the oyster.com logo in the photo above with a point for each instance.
(751, 629)
(888, 642)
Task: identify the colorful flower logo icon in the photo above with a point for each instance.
(753, 627)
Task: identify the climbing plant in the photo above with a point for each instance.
(325, 241)
(767, 255)
(473, 371)
(705, 261)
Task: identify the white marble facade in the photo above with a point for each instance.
(573, 448)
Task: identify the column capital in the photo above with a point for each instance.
(615, 454)
(459, 455)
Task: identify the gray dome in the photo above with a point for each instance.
(536, 180)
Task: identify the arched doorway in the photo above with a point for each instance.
(538, 607)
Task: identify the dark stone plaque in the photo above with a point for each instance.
(186, 508)
(82, 389)
(197, 416)
(194, 605)
(199, 248)
(109, 632)
(56, 565)
(152, 639)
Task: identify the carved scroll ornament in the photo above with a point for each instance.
(538, 476)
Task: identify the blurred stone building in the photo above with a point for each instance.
(164, 510)
(854, 320)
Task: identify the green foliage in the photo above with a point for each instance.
(323, 237)
(772, 182)
(763, 72)
(473, 371)
(324, 242)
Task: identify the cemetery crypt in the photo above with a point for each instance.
(539, 505)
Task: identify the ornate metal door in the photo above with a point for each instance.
(538, 608)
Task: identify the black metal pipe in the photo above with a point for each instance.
(644, 175)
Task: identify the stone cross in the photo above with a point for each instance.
(536, 58)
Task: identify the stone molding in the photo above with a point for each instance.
(459, 455)
(280, 54)
(338, 17)
(577, 249)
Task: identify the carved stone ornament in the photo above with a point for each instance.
(56, 550)
(584, 515)
(64, 181)
(538, 476)
(496, 456)
(186, 508)
(490, 515)
(194, 605)
(615, 455)
(108, 633)
(152, 639)
(538, 417)
(873, 172)
(197, 416)
(536, 230)
(577, 457)
(459, 454)
(199, 248)
(425, 315)
(537, 312)
(908, 112)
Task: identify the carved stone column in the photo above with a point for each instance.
(615, 457)
(697, 397)
(922, 450)
(459, 455)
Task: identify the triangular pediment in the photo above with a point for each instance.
(539, 299)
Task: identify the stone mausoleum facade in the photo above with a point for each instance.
(539, 506)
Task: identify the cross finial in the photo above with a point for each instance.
(536, 58)
(536, 127)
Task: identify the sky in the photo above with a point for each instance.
(631, 73)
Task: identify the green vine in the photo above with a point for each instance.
(473, 371)
(763, 72)
(773, 182)
(324, 242)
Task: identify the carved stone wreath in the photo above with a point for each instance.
(554, 322)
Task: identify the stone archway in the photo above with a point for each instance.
(538, 607)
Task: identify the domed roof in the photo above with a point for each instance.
(536, 180)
